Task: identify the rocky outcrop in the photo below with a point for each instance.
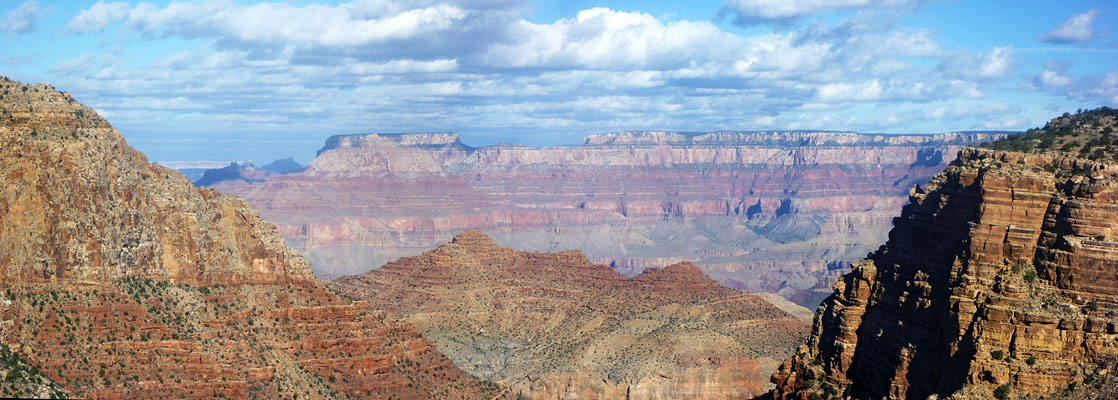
(761, 211)
(234, 172)
(119, 279)
(284, 166)
(555, 325)
(998, 279)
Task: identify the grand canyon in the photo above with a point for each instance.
(558, 200)
(768, 212)
(121, 279)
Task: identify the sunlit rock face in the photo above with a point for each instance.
(762, 211)
(1000, 276)
(556, 325)
(119, 279)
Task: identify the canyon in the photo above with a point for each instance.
(767, 212)
(998, 280)
(120, 279)
(556, 325)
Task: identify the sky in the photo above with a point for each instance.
(259, 80)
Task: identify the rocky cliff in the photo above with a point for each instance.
(556, 325)
(118, 279)
(762, 211)
(999, 279)
(234, 172)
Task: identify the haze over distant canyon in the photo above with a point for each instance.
(780, 212)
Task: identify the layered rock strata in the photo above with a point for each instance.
(762, 211)
(999, 278)
(556, 325)
(118, 279)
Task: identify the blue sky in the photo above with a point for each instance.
(239, 80)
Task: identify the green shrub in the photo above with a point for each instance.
(997, 354)
(1002, 392)
(1031, 360)
(1030, 276)
(1092, 306)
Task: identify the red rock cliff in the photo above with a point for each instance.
(118, 279)
(761, 211)
(1000, 277)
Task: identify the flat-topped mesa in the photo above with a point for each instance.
(404, 155)
(78, 203)
(245, 172)
(782, 138)
(1000, 276)
(402, 139)
(755, 204)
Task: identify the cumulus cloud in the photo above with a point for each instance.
(601, 38)
(1054, 75)
(768, 10)
(367, 29)
(478, 65)
(996, 63)
(1107, 87)
(1077, 29)
(21, 19)
(98, 17)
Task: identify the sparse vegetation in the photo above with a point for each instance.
(1002, 392)
(1087, 133)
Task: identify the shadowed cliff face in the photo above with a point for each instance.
(761, 211)
(555, 325)
(1001, 273)
(118, 279)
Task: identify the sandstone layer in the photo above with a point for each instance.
(1000, 278)
(118, 279)
(556, 325)
(761, 211)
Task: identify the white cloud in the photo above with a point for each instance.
(1105, 88)
(601, 38)
(283, 69)
(851, 91)
(369, 28)
(98, 17)
(1077, 29)
(1054, 75)
(747, 10)
(996, 63)
(21, 19)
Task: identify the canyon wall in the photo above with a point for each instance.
(762, 211)
(119, 279)
(556, 325)
(1000, 278)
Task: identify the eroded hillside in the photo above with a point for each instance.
(556, 325)
(119, 279)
